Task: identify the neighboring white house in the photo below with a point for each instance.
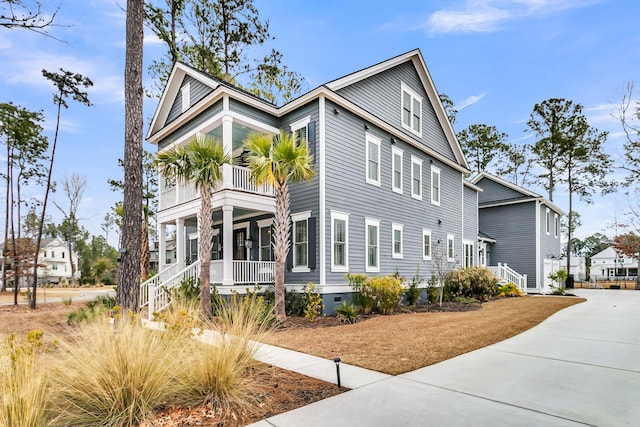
(609, 264)
(54, 262)
(578, 267)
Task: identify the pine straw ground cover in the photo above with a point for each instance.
(401, 343)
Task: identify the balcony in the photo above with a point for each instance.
(236, 178)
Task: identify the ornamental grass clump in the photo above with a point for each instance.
(220, 370)
(117, 375)
(23, 382)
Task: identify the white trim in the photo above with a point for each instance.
(370, 139)
(414, 97)
(267, 222)
(300, 216)
(299, 124)
(426, 232)
(435, 171)
(451, 238)
(547, 219)
(340, 216)
(321, 184)
(539, 273)
(466, 243)
(396, 152)
(416, 161)
(556, 225)
(375, 223)
(397, 227)
(185, 93)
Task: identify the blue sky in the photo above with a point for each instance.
(494, 58)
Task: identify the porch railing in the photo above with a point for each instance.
(506, 274)
(233, 178)
(245, 272)
(155, 281)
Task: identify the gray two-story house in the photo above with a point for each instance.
(388, 191)
(519, 228)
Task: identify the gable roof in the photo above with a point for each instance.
(527, 195)
(158, 129)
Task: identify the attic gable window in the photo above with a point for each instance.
(185, 91)
(411, 110)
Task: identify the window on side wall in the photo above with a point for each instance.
(468, 254)
(426, 244)
(548, 221)
(299, 130)
(411, 110)
(416, 178)
(372, 242)
(435, 185)
(339, 241)
(556, 225)
(373, 160)
(451, 250)
(396, 237)
(396, 172)
(300, 242)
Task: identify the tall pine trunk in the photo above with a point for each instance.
(129, 273)
(144, 256)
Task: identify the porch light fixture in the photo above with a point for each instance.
(248, 243)
(439, 221)
(393, 140)
(366, 126)
(335, 111)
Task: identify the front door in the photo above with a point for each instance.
(239, 251)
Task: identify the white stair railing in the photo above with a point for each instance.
(159, 294)
(155, 281)
(506, 274)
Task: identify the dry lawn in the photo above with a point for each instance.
(404, 342)
(46, 294)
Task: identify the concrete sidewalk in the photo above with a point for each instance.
(579, 367)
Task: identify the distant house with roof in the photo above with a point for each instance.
(608, 264)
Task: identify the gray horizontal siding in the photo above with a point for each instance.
(494, 192)
(550, 246)
(381, 95)
(470, 214)
(253, 113)
(348, 192)
(197, 91)
(189, 128)
(513, 227)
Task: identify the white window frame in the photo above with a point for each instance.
(373, 223)
(301, 124)
(263, 223)
(451, 243)
(297, 217)
(416, 161)
(556, 225)
(426, 250)
(468, 244)
(185, 93)
(396, 152)
(370, 139)
(414, 97)
(548, 221)
(394, 253)
(435, 171)
(340, 216)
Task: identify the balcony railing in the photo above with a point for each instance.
(233, 178)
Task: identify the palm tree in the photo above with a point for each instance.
(279, 160)
(200, 161)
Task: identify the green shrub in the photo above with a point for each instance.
(356, 282)
(294, 302)
(465, 300)
(347, 312)
(412, 294)
(386, 292)
(23, 382)
(314, 304)
(100, 306)
(559, 277)
(471, 282)
(509, 290)
(189, 289)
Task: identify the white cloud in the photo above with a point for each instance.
(490, 15)
(469, 101)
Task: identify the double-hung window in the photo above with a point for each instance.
(451, 251)
(556, 225)
(396, 172)
(339, 241)
(373, 159)
(416, 178)
(300, 241)
(299, 130)
(548, 221)
(266, 248)
(411, 110)
(396, 237)
(372, 243)
(435, 185)
(468, 248)
(426, 244)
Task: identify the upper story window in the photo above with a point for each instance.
(372, 238)
(468, 248)
(301, 241)
(396, 173)
(416, 178)
(299, 130)
(556, 225)
(185, 92)
(411, 110)
(548, 221)
(426, 244)
(339, 241)
(373, 159)
(396, 230)
(435, 185)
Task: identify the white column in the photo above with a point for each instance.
(227, 134)
(180, 243)
(227, 245)
(162, 247)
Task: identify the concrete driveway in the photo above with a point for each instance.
(579, 367)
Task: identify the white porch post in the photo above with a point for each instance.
(180, 243)
(227, 245)
(227, 134)
(162, 247)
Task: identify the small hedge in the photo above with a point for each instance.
(471, 282)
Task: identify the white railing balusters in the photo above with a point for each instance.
(508, 274)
